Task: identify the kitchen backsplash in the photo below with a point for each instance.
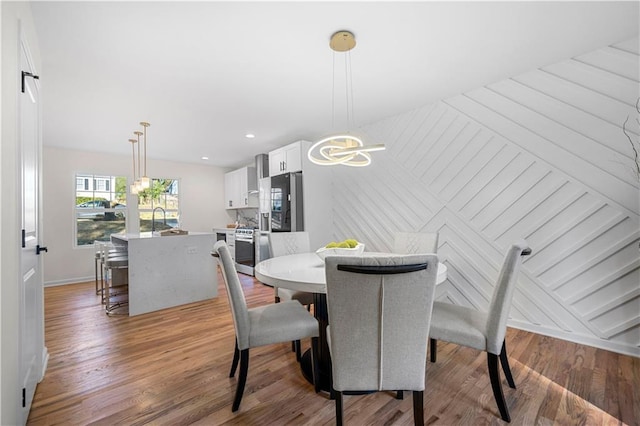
(248, 217)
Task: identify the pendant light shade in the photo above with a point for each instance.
(140, 179)
(144, 180)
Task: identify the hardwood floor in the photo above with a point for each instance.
(171, 367)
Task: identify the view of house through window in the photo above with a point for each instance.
(100, 207)
(159, 206)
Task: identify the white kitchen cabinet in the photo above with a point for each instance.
(241, 188)
(286, 159)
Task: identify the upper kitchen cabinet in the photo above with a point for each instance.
(241, 188)
(286, 159)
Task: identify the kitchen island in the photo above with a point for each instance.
(166, 271)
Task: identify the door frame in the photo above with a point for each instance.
(42, 355)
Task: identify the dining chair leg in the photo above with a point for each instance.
(339, 409)
(242, 378)
(433, 349)
(332, 392)
(494, 375)
(234, 363)
(418, 408)
(296, 346)
(399, 394)
(504, 360)
(315, 364)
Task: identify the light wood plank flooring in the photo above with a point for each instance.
(171, 368)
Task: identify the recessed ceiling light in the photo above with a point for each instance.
(249, 136)
(205, 158)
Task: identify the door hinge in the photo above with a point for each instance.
(24, 397)
(28, 74)
(24, 238)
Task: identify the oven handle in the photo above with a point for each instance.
(247, 240)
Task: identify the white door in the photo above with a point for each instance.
(31, 348)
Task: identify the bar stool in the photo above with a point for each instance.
(103, 250)
(97, 261)
(116, 284)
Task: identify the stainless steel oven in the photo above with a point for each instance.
(245, 250)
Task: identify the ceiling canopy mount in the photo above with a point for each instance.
(342, 41)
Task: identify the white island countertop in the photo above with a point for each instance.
(166, 271)
(147, 235)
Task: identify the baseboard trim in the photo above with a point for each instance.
(68, 281)
(45, 363)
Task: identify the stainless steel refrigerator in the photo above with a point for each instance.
(286, 203)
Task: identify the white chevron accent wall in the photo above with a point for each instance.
(540, 156)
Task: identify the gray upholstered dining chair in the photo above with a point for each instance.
(264, 325)
(282, 244)
(415, 242)
(379, 312)
(484, 331)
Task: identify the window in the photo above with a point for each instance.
(82, 184)
(102, 184)
(100, 209)
(159, 206)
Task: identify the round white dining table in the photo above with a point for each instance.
(305, 272)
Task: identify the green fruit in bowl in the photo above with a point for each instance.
(344, 244)
(351, 242)
(332, 244)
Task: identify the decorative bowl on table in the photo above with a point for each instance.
(340, 251)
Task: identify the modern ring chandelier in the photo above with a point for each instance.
(141, 180)
(344, 149)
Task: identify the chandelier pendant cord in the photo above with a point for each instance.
(351, 121)
(333, 93)
(345, 149)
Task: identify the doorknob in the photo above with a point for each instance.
(39, 249)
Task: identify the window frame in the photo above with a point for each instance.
(149, 211)
(94, 195)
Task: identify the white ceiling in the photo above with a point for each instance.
(206, 73)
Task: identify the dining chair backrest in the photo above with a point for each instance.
(498, 314)
(283, 243)
(415, 242)
(379, 314)
(235, 294)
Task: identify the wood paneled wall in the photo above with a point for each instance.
(540, 156)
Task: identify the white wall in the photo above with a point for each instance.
(14, 16)
(540, 156)
(201, 198)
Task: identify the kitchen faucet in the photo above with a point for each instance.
(153, 218)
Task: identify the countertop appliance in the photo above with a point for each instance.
(245, 250)
(286, 203)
